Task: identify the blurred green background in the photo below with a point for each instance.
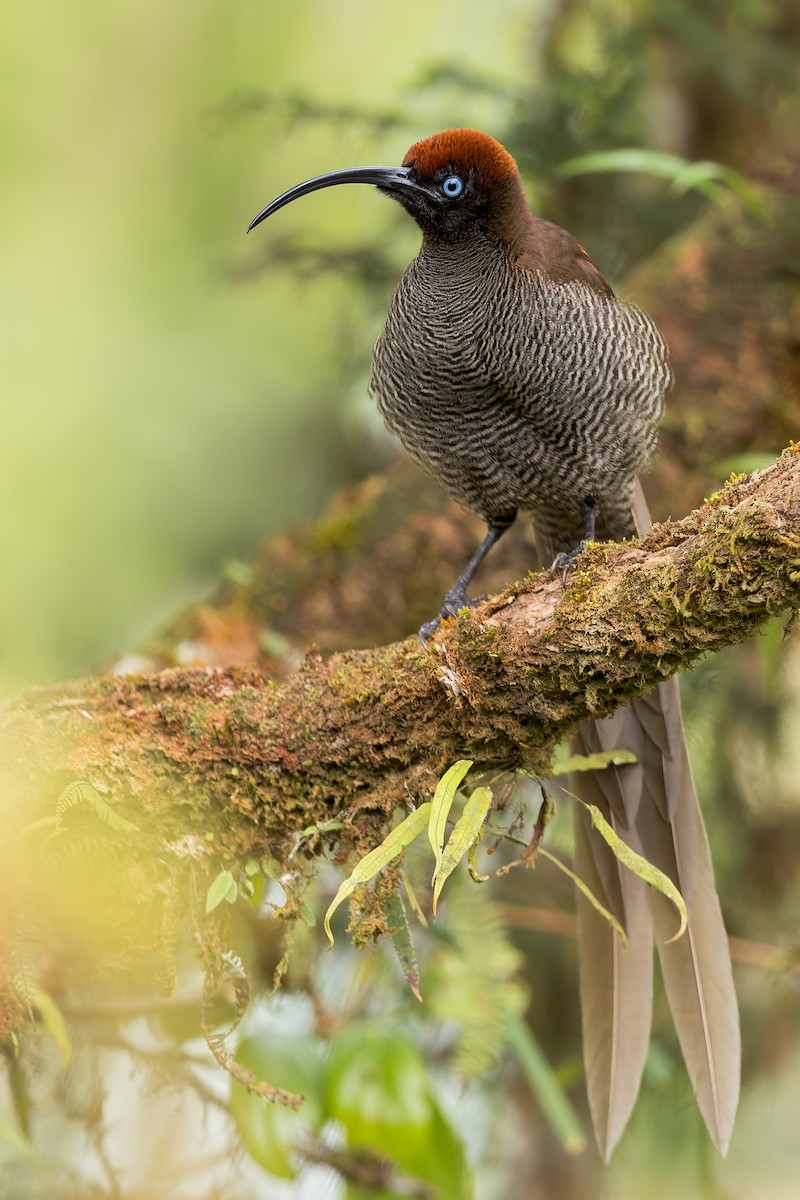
(173, 391)
(164, 403)
(161, 413)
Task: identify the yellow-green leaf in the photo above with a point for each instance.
(413, 902)
(53, 1022)
(465, 831)
(594, 762)
(639, 865)
(257, 894)
(442, 803)
(378, 858)
(585, 890)
(271, 867)
(545, 1084)
(394, 912)
(17, 1140)
(220, 889)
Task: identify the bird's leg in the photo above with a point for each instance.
(565, 560)
(457, 597)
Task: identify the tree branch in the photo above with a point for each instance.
(362, 731)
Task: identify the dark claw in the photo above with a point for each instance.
(428, 630)
(452, 603)
(565, 561)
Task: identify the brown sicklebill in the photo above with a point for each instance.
(508, 368)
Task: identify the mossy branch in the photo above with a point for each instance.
(361, 732)
(210, 771)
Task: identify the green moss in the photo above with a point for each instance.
(196, 725)
(476, 640)
(340, 531)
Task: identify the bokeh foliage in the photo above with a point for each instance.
(174, 392)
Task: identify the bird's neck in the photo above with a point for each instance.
(474, 251)
(510, 237)
(506, 232)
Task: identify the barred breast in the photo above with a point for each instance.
(519, 392)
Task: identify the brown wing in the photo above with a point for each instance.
(557, 254)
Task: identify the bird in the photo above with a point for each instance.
(509, 369)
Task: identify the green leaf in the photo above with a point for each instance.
(257, 894)
(394, 912)
(371, 863)
(648, 162)
(594, 762)
(274, 644)
(269, 1131)
(710, 178)
(585, 890)
(52, 1021)
(744, 463)
(271, 868)
(442, 803)
(544, 1085)
(315, 831)
(413, 902)
(465, 831)
(17, 1140)
(220, 889)
(477, 977)
(639, 866)
(380, 1090)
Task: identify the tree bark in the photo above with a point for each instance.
(364, 731)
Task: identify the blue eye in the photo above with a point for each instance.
(452, 186)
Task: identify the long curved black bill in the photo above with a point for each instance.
(388, 179)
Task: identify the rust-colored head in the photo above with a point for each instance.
(450, 183)
(467, 182)
(461, 150)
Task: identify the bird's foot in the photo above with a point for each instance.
(455, 600)
(565, 561)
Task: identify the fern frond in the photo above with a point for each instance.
(80, 792)
(476, 984)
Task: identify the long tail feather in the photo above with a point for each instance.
(697, 967)
(616, 978)
(653, 806)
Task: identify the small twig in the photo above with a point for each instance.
(366, 1171)
(130, 1007)
(781, 959)
(165, 1061)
